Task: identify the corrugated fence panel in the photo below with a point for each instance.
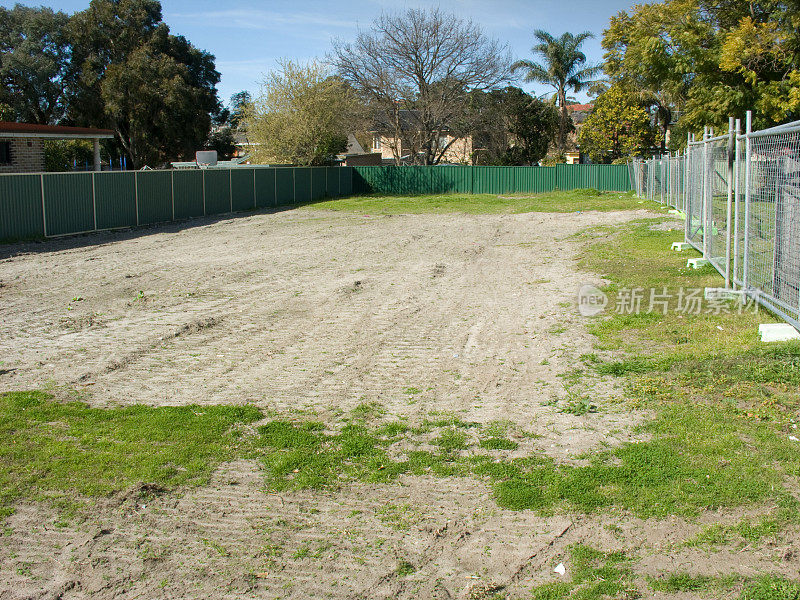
(68, 203)
(535, 180)
(265, 188)
(188, 186)
(319, 184)
(360, 181)
(284, 186)
(242, 188)
(20, 207)
(614, 178)
(302, 184)
(115, 199)
(217, 184)
(155, 196)
(332, 182)
(346, 176)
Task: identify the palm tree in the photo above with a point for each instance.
(563, 68)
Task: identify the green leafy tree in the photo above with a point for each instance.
(708, 60)
(563, 68)
(34, 63)
(239, 105)
(617, 128)
(61, 155)
(301, 116)
(223, 142)
(156, 90)
(511, 127)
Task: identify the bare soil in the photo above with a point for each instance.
(308, 310)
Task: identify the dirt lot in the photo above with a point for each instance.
(308, 310)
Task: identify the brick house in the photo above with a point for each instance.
(22, 144)
(389, 146)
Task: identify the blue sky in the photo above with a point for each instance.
(248, 37)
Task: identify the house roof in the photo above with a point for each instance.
(10, 129)
(579, 107)
(408, 119)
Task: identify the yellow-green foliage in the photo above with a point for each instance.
(302, 115)
(618, 127)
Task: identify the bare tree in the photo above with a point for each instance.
(415, 69)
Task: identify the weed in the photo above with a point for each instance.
(579, 405)
(405, 568)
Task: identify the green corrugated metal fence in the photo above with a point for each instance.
(52, 204)
(488, 180)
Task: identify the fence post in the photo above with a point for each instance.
(203, 171)
(736, 202)
(44, 210)
(731, 142)
(255, 200)
(136, 194)
(704, 195)
(172, 190)
(230, 187)
(747, 151)
(94, 204)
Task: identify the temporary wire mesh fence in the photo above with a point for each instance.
(740, 195)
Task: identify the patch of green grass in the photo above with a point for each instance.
(703, 584)
(54, 449)
(451, 440)
(766, 587)
(368, 410)
(594, 576)
(770, 587)
(736, 461)
(498, 443)
(750, 531)
(398, 516)
(405, 569)
(557, 201)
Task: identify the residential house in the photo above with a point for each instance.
(22, 144)
(386, 142)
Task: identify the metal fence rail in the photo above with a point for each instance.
(740, 193)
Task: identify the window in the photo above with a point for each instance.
(376, 142)
(5, 153)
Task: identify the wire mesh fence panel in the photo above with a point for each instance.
(772, 228)
(716, 203)
(695, 195)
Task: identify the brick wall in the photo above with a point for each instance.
(27, 155)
